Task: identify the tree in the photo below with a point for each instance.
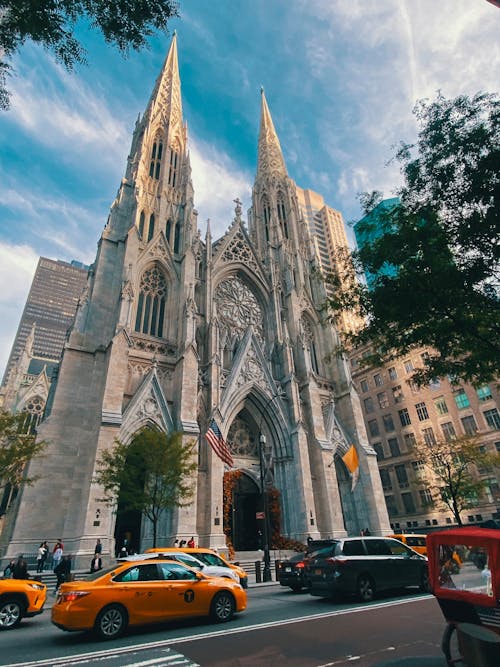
(17, 448)
(433, 260)
(52, 23)
(451, 478)
(150, 474)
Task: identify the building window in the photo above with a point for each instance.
(380, 451)
(177, 237)
(408, 502)
(426, 498)
(461, 399)
(386, 479)
(383, 399)
(448, 431)
(151, 228)
(393, 374)
(429, 437)
(394, 446)
(282, 215)
(397, 394)
(267, 216)
(368, 403)
(401, 474)
(404, 417)
(469, 425)
(408, 366)
(155, 162)
(422, 412)
(364, 386)
(388, 423)
(392, 508)
(151, 303)
(410, 441)
(435, 383)
(377, 379)
(440, 405)
(373, 427)
(492, 418)
(168, 230)
(484, 393)
(141, 224)
(173, 168)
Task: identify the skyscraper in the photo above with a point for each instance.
(175, 333)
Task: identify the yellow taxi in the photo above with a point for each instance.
(415, 542)
(20, 598)
(140, 591)
(207, 557)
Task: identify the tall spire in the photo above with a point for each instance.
(166, 97)
(270, 158)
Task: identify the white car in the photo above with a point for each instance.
(190, 561)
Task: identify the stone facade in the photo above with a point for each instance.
(174, 330)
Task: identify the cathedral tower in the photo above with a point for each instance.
(173, 332)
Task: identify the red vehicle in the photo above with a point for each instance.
(464, 569)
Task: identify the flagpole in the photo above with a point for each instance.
(266, 574)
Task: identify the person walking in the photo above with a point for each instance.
(98, 547)
(62, 571)
(20, 568)
(57, 555)
(9, 570)
(96, 563)
(191, 543)
(43, 551)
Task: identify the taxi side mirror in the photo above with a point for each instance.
(199, 575)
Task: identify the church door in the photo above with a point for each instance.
(246, 505)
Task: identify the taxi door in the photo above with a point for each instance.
(138, 589)
(183, 594)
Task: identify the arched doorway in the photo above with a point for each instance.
(245, 505)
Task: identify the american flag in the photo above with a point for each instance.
(214, 437)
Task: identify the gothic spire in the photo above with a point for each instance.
(270, 158)
(166, 100)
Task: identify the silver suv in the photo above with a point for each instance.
(365, 565)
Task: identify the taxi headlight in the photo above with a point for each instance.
(37, 587)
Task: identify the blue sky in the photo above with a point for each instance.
(341, 79)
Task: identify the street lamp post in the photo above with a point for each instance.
(264, 475)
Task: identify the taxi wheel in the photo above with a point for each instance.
(11, 613)
(111, 622)
(365, 588)
(222, 607)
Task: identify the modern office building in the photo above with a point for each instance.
(50, 308)
(328, 235)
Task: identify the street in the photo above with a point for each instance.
(279, 628)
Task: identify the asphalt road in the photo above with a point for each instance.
(279, 628)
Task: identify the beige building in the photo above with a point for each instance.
(174, 330)
(327, 229)
(397, 414)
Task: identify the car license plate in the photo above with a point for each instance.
(317, 571)
(288, 569)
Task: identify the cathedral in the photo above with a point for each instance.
(174, 332)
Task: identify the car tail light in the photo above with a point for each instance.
(300, 565)
(71, 596)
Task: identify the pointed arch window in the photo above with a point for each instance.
(155, 162)
(281, 210)
(173, 168)
(267, 216)
(141, 224)
(177, 237)
(150, 314)
(151, 229)
(168, 230)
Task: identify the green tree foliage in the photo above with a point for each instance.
(452, 466)
(434, 260)
(151, 474)
(17, 448)
(52, 23)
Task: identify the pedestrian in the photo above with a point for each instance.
(42, 554)
(98, 547)
(96, 563)
(367, 532)
(57, 555)
(20, 568)
(182, 544)
(190, 543)
(62, 571)
(123, 552)
(9, 570)
(176, 542)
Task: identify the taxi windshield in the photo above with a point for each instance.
(211, 559)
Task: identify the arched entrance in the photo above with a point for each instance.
(244, 526)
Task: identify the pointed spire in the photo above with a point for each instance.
(270, 158)
(166, 97)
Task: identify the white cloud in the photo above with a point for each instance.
(17, 267)
(217, 181)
